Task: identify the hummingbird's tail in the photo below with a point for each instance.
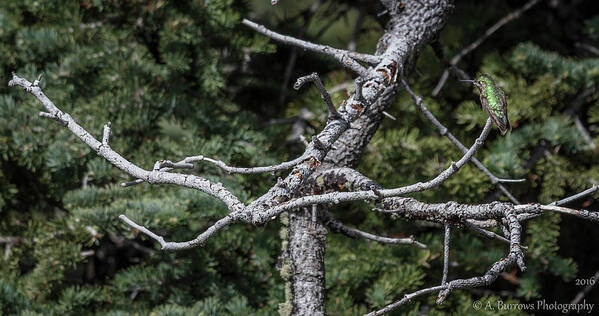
(503, 125)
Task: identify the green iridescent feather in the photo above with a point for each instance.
(493, 101)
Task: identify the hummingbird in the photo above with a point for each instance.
(492, 100)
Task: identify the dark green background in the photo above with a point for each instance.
(181, 78)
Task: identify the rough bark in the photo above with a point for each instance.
(307, 242)
(410, 28)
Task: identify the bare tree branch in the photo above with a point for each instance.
(346, 58)
(592, 49)
(216, 190)
(355, 233)
(252, 170)
(584, 214)
(198, 241)
(584, 133)
(488, 234)
(374, 194)
(308, 14)
(446, 241)
(374, 84)
(162, 166)
(456, 59)
(106, 134)
(9, 243)
(313, 77)
(575, 197)
(407, 298)
(444, 132)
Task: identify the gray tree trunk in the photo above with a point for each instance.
(307, 242)
(413, 24)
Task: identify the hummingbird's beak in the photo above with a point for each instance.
(467, 81)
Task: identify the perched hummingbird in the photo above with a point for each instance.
(492, 99)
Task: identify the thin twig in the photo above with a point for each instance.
(251, 170)
(584, 133)
(346, 58)
(161, 166)
(313, 77)
(198, 241)
(353, 42)
(592, 216)
(577, 196)
(308, 15)
(588, 47)
(456, 59)
(407, 298)
(389, 116)
(337, 197)
(339, 227)
(106, 134)
(488, 234)
(445, 132)
(587, 289)
(446, 241)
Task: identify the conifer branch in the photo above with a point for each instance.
(456, 59)
(346, 58)
(339, 227)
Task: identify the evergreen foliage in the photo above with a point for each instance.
(182, 78)
(160, 72)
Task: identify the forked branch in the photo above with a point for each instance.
(445, 132)
(346, 58)
(313, 77)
